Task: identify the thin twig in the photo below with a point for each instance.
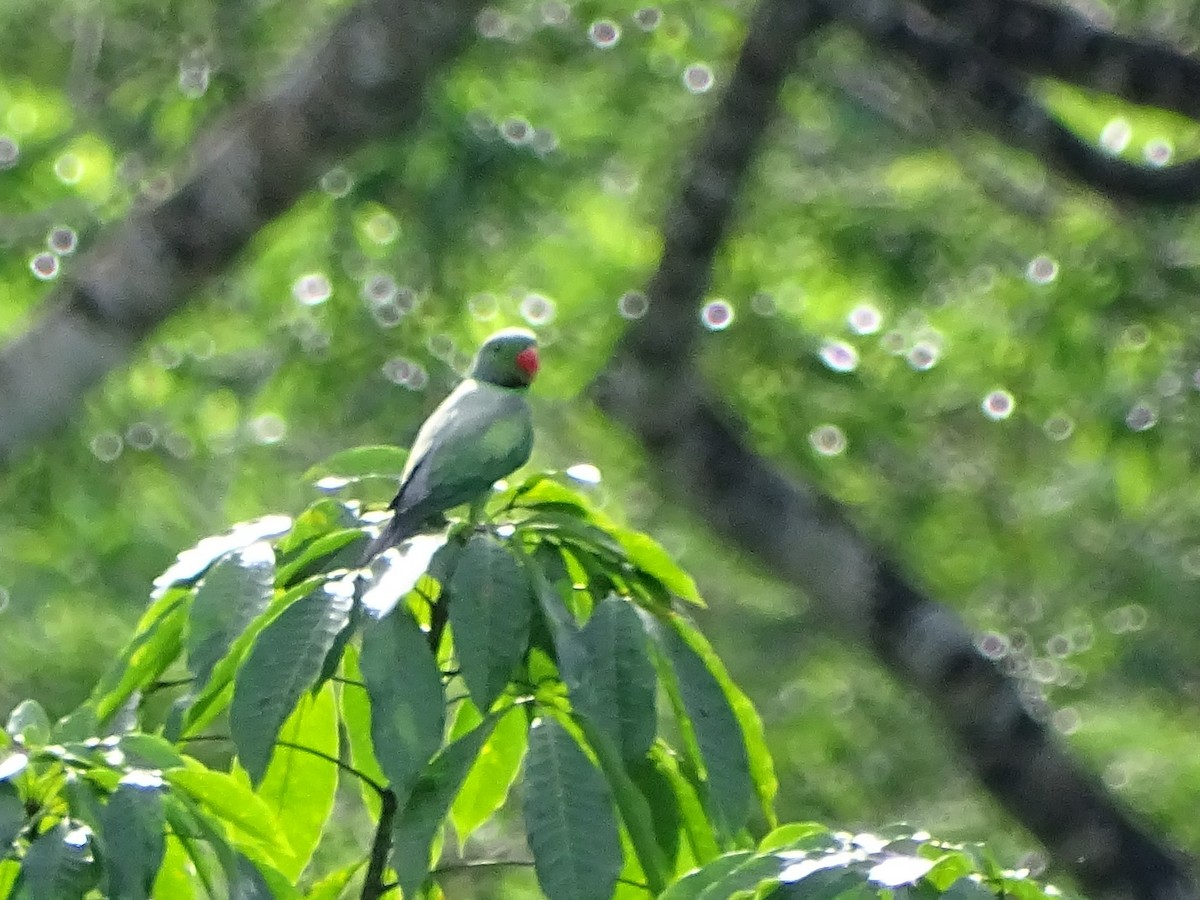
(366, 779)
(381, 846)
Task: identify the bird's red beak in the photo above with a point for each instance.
(527, 361)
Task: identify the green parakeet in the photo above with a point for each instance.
(480, 433)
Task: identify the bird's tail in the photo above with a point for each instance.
(398, 528)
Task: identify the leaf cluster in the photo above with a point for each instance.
(540, 632)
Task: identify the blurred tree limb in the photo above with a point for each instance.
(366, 80)
(800, 535)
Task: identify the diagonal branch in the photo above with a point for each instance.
(366, 80)
(1042, 39)
(804, 537)
(951, 59)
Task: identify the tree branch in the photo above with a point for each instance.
(381, 846)
(366, 80)
(952, 60)
(804, 538)
(1055, 40)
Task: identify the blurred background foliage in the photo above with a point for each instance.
(998, 373)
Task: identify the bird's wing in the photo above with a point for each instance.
(479, 434)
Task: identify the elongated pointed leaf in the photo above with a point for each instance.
(826, 884)
(490, 613)
(131, 837)
(487, 783)
(762, 767)
(333, 659)
(235, 591)
(196, 711)
(174, 882)
(194, 562)
(80, 724)
(407, 702)
(425, 810)
(12, 815)
(333, 885)
(665, 813)
(299, 786)
(156, 644)
(222, 797)
(718, 734)
(319, 519)
(569, 818)
(619, 686)
(57, 866)
(694, 885)
(357, 463)
(149, 751)
(9, 870)
(254, 880)
(203, 843)
(283, 663)
(649, 556)
(247, 877)
(569, 649)
(356, 719)
(340, 549)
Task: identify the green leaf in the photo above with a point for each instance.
(149, 751)
(490, 614)
(284, 661)
(825, 884)
(225, 798)
(29, 724)
(425, 809)
(724, 760)
(545, 492)
(488, 782)
(618, 689)
(320, 518)
(805, 836)
(201, 708)
(194, 562)
(174, 881)
(131, 837)
(83, 795)
(12, 816)
(79, 725)
(234, 592)
(333, 885)
(968, 889)
(156, 644)
(666, 816)
(333, 659)
(57, 866)
(570, 528)
(357, 463)
(356, 719)
(407, 701)
(9, 870)
(649, 556)
(299, 786)
(338, 550)
(569, 818)
(202, 842)
(762, 766)
(695, 885)
(255, 880)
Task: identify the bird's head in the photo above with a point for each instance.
(509, 358)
